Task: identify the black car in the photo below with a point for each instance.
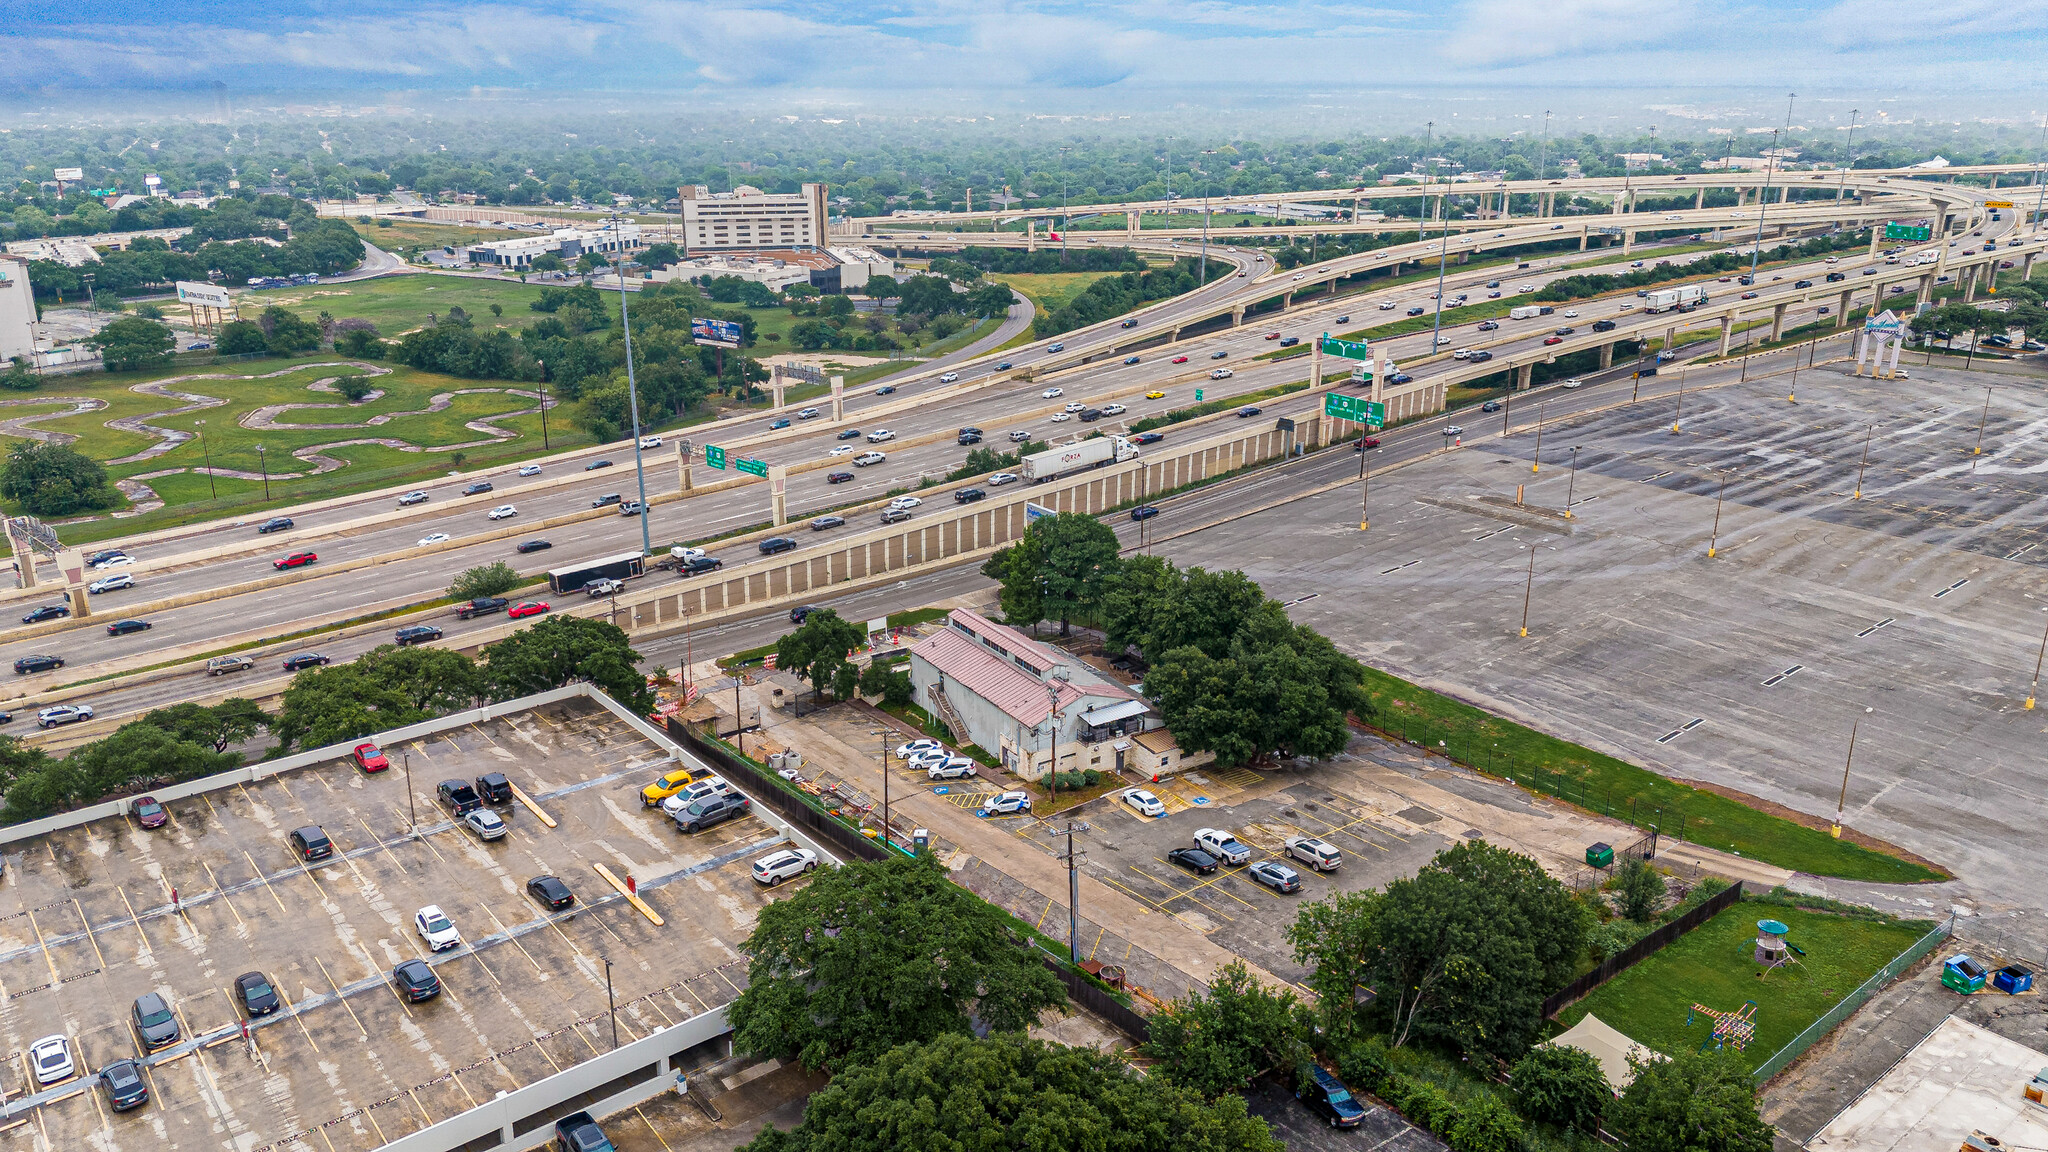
(458, 796)
(838, 477)
(968, 495)
(482, 605)
(1327, 1095)
(417, 634)
(1566, 330)
(28, 664)
(801, 613)
(1148, 437)
(275, 524)
(107, 554)
(1802, 283)
(311, 843)
(1834, 276)
(774, 544)
(606, 500)
(416, 980)
(258, 997)
(1128, 324)
(713, 809)
(1193, 859)
(494, 788)
(848, 434)
(1490, 406)
(1998, 340)
(1415, 312)
(1249, 411)
(1290, 341)
(1090, 415)
(46, 612)
(824, 522)
(154, 1022)
(303, 661)
(594, 465)
(970, 438)
(123, 1083)
(124, 627)
(700, 565)
(526, 546)
(551, 892)
(1603, 325)
(1144, 512)
(478, 488)
(885, 390)
(1479, 357)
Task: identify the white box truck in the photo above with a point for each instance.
(1524, 312)
(1684, 298)
(1076, 457)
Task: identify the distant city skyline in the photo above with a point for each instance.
(957, 52)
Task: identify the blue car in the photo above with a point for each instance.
(1327, 1095)
(782, 423)
(1003, 367)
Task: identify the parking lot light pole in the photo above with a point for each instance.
(208, 454)
(1714, 538)
(412, 820)
(632, 390)
(1842, 801)
(1868, 429)
(1981, 420)
(2034, 688)
(1536, 460)
(611, 1005)
(1364, 488)
(1528, 586)
(543, 366)
(1571, 485)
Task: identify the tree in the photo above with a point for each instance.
(546, 262)
(817, 649)
(1011, 1094)
(562, 649)
(889, 682)
(387, 687)
(1076, 558)
(1021, 595)
(231, 721)
(493, 579)
(1216, 1044)
(1642, 890)
(133, 342)
(353, 388)
(359, 344)
(1697, 1102)
(286, 331)
(904, 956)
(1278, 687)
(19, 378)
(1561, 1086)
(241, 337)
(53, 480)
(1484, 1124)
(1463, 952)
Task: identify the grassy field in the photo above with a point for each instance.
(398, 304)
(1603, 783)
(1048, 291)
(1712, 966)
(410, 234)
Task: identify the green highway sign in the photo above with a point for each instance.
(1356, 409)
(1198, 395)
(714, 456)
(1348, 349)
(1894, 231)
(752, 467)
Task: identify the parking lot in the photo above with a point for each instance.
(94, 916)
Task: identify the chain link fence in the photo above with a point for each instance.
(1847, 1006)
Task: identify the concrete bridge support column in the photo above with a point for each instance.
(1237, 316)
(1970, 284)
(1876, 232)
(1523, 376)
(1031, 235)
(1727, 331)
(2027, 267)
(1131, 224)
(1287, 300)
(1778, 322)
(1994, 182)
(1582, 237)
(1699, 199)
(1628, 243)
(1785, 195)
(1607, 356)
(1842, 308)
(1670, 338)
(838, 398)
(1926, 293)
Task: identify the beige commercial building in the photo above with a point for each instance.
(748, 219)
(17, 310)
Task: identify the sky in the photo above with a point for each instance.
(956, 48)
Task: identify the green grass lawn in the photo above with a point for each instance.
(397, 304)
(1713, 966)
(1048, 291)
(1615, 787)
(410, 234)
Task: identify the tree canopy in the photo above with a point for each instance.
(1695, 1102)
(55, 480)
(386, 687)
(1216, 1043)
(1463, 952)
(1059, 569)
(817, 649)
(132, 342)
(871, 955)
(1011, 1094)
(562, 649)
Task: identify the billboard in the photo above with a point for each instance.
(203, 294)
(715, 333)
(70, 173)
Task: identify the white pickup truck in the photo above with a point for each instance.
(1222, 845)
(1315, 853)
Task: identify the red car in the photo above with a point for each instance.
(1180, 359)
(295, 560)
(530, 608)
(149, 813)
(1555, 340)
(370, 758)
(1272, 335)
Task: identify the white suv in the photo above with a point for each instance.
(776, 867)
(949, 377)
(503, 511)
(951, 768)
(880, 435)
(696, 790)
(109, 583)
(63, 714)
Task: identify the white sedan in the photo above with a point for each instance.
(906, 751)
(530, 470)
(842, 450)
(1006, 803)
(951, 768)
(51, 1057)
(1143, 802)
(1002, 478)
(1571, 313)
(436, 929)
(1051, 393)
(113, 562)
(1075, 406)
(503, 511)
(436, 538)
(1060, 417)
(906, 502)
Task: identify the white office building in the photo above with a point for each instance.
(567, 243)
(17, 310)
(748, 219)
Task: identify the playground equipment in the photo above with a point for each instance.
(1963, 975)
(1735, 1028)
(1772, 949)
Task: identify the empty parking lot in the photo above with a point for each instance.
(94, 916)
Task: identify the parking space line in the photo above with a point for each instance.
(344, 1002)
(218, 888)
(513, 938)
(728, 980)
(374, 838)
(298, 1019)
(94, 941)
(135, 919)
(410, 1095)
(267, 886)
(1211, 885)
(456, 1079)
(651, 1128)
(484, 734)
(428, 840)
(1044, 914)
(48, 959)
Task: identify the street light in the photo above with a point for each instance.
(1571, 485)
(1536, 458)
(1841, 802)
(1364, 485)
(1714, 537)
(208, 454)
(611, 1005)
(2034, 688)
(1868, 430)
(632, 390)
(1528, 586)
(264, 463)
(543, 365)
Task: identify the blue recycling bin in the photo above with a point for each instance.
(2013, 979)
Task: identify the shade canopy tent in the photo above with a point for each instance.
(1604, 1043)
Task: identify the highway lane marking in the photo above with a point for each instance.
(2019, 552)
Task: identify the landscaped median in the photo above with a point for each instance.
(1615, 788)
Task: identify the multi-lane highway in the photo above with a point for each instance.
(923, 414)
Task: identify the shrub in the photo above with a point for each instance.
(354, 388)
(1612, 937)
(1363, 1064)
(1484, 1124)
(1642, 891)
(1561, 1086)
(1420, 1101)
(492, 579)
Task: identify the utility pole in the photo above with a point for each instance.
(543, 366)
(1073, 860)
(1714, 537)
(1763, 201)
(1543, 152)
(1868, 430)
(611, 1005)
(412, 820)
(1364, 485)
(1571, 485)
(885, 787)
(1536, 458)
(1842, 802)
(1443, 254)
(632, 390)
(1981, 420)
(1849, 159)
(1528, 586)
(2034, 689)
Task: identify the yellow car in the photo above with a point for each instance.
(1155, 395)
(667, 786)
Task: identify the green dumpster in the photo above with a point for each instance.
(1600, 855)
